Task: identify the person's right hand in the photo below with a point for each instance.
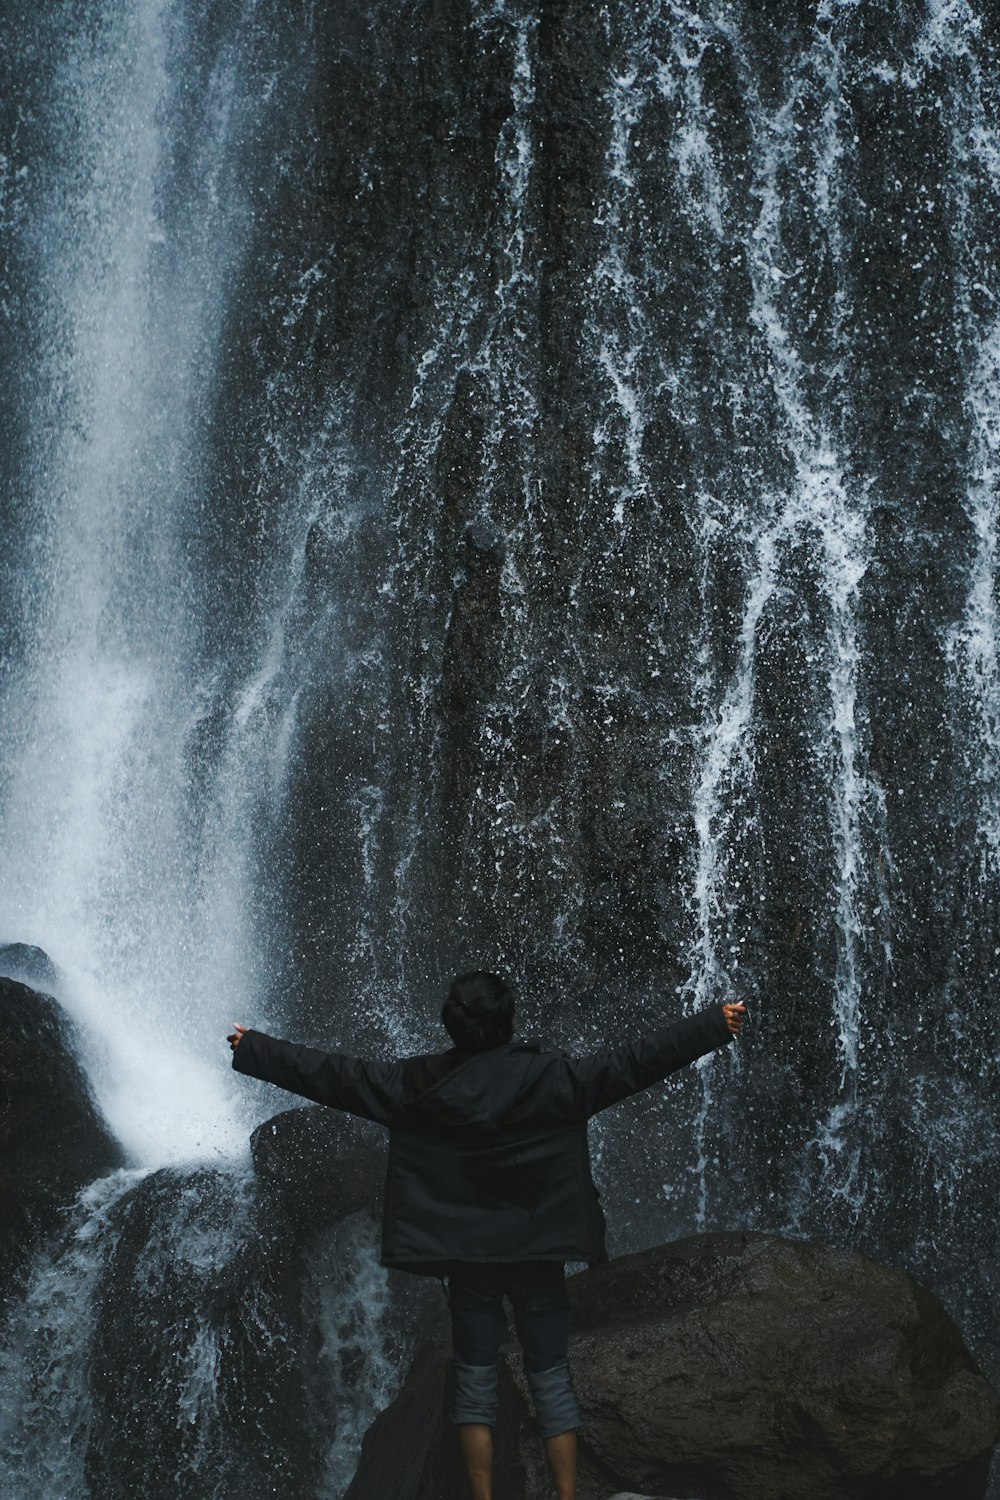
(235, 1036)
(735, 1015)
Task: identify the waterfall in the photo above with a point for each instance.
(45, 1418)
(137, 218)
(498, 483)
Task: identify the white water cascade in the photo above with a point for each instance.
(137, 229)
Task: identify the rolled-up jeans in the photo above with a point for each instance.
(537, 1293)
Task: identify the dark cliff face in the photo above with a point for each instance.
(646, 602)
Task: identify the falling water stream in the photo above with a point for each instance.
(492, 483)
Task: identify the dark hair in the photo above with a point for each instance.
(478, 1012)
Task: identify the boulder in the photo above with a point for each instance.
(53, 1139)
(732, 1366)
(758, 1368)
(203, 1367)
(322, 1164)
(232, 1354)
(29, 965)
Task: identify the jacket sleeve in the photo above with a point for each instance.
(590, 1084)
(369, 1089)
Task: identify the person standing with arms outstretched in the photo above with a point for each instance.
(489, 1184)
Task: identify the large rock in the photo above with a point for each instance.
(231, 1353)
(53, 1139)
(735, 1366)
(202, 1365)
(764, 1368)
(29, 965)
(321, 1163)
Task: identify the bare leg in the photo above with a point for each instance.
(476, 1442)
(561, 1455)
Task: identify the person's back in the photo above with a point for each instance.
(489, 1183)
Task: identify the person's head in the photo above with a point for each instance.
(478, 1011)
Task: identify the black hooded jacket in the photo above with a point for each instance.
(488, 1152)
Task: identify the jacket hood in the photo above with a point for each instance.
(478, 1090)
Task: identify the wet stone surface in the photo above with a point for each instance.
(731, 1366)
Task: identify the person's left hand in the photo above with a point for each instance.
(236, 1035)
(735, 1015)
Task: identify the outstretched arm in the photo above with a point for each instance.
(590, 1084)
(369, 1089)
